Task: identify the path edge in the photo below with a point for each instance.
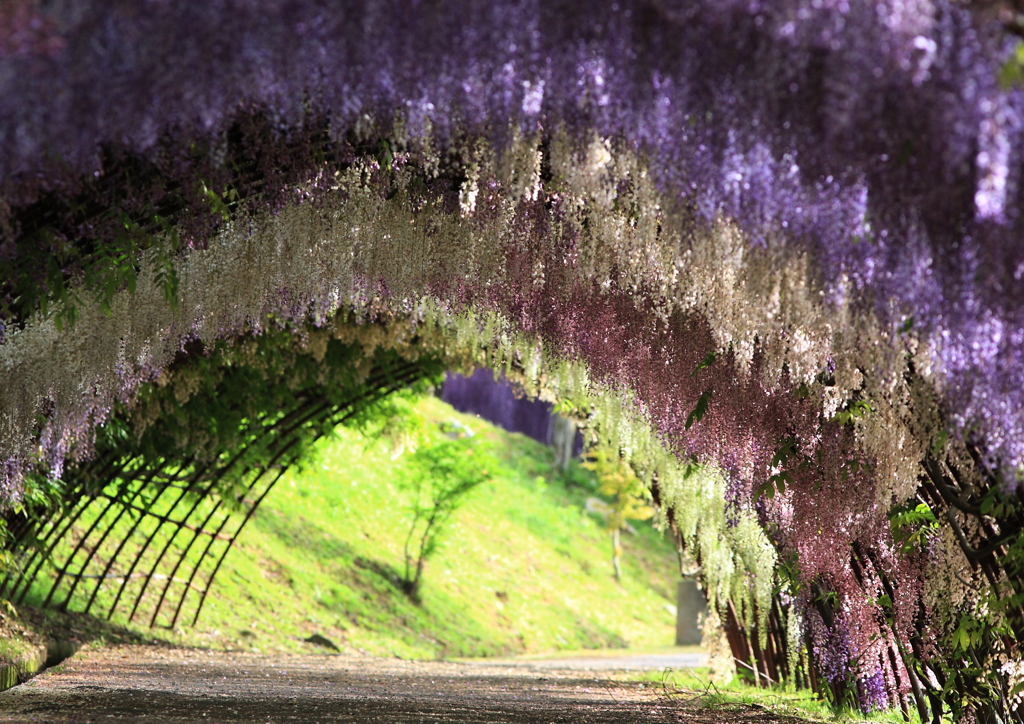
(39, 659)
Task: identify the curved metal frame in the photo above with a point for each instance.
(176, 520)
(38, 556)
(113, 503)
(338, 419)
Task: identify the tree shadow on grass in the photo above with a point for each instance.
(369, 593)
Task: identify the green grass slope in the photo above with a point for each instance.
(523, 568)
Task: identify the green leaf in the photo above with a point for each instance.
(787, 449)
(775, 483)
(1012, 71)
(215, 202)
(698, 412)
(705, 363)
(854, 411)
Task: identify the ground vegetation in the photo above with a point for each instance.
(523, 569)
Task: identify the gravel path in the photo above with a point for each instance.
(150, 684)
(632, 662)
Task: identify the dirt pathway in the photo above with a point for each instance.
(150, 684)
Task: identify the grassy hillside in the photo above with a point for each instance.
(523, 568)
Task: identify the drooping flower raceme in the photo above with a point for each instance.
(786, 233)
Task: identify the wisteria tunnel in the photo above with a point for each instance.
(770, 253)
(141, 530)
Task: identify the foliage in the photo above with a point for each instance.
(220, 405)
(436, 478)
(913, 527)
(617, 481)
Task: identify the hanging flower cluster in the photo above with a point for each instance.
(768, 250)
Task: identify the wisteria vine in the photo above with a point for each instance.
(786, 233)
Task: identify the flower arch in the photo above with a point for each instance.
(784, 238)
